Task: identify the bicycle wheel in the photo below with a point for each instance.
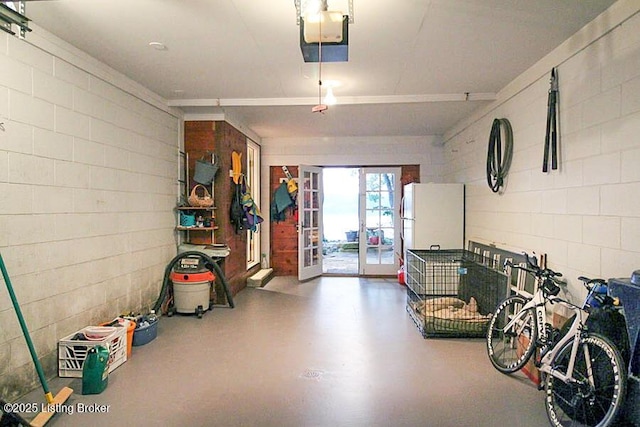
(510, 349)
(597, 395)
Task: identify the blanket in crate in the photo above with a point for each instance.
(450, 308)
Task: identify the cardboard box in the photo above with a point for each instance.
(529, 369)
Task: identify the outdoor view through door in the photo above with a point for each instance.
(361, 224)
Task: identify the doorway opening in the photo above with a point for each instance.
(340, 213)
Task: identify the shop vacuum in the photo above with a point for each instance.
(193, 290)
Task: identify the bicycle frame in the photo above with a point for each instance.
(574, 334)
(538, 302)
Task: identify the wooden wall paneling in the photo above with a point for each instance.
(223, 139)
(284, 234)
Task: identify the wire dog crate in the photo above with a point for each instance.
(452, 293)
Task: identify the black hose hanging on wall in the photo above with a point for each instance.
(497, 163)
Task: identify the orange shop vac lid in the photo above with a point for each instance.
(207, 276)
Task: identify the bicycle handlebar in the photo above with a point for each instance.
(603, 298)
(533, 268)
(589, 283)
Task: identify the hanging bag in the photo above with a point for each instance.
(251, 211)
(197, 201)
(236, 210)
(206, 171)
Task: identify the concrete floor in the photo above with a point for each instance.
(335, 351)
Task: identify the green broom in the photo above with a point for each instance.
(44, 416)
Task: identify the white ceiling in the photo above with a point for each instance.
(411, 62)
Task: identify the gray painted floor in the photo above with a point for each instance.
(338, 351)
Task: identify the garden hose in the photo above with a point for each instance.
(497, 162)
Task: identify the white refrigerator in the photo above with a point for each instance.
(433, 214)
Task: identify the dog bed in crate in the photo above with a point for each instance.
(452, 292)
(449, 315)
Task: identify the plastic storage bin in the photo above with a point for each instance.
(144, 334)
(72, 352)
(130, 325)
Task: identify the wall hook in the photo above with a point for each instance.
(2, 126)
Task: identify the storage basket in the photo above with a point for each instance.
(452, 292)
(72, 352)
(187, 219)
(144, 334)
(197, 201)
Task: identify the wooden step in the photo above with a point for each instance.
(261, 278)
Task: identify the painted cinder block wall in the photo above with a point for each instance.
(88, 169)
(586, 215)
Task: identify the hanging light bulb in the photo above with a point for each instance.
(329, 98)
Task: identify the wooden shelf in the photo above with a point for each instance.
(181, 228)
(191, 208)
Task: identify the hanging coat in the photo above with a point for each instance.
(281, 201)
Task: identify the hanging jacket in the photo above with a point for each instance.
(281, 201)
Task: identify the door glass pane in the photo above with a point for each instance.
(386, 218)
(307, 258)
(379, 203)
(373, 218)
(372, 201)
(384, 200)
(373, 255)
(306, 218)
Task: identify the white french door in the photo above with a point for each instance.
(379, 240)
(309, 222)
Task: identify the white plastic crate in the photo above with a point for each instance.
(72, 353)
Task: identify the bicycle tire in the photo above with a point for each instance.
(509, 351)
(577, 403)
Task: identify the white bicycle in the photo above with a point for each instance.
(583, 373)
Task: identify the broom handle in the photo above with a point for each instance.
(25, 331)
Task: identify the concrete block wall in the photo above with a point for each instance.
(586, 215)
(87, 190)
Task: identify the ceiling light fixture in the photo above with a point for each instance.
(158, 46)
(329, 98)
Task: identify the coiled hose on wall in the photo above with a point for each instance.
(498, 162)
